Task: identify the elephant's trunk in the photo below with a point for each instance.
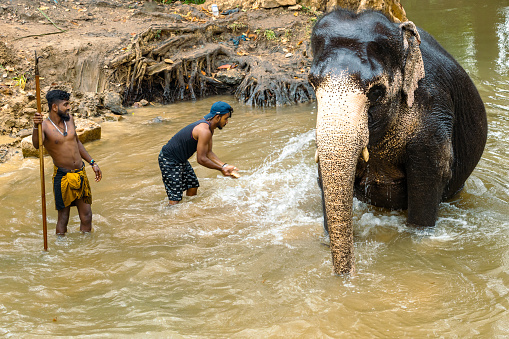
(341, 135)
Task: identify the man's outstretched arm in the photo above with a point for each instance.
(212, 156)
(206, 157)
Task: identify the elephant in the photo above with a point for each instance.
(400, 124)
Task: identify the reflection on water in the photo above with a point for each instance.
(502, 31)
(248, 257)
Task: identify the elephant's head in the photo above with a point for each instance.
(365, 68)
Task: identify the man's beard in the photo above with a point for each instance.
(63, 115)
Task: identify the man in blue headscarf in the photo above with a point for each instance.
(178, 175)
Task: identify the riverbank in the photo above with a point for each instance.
(90, 47)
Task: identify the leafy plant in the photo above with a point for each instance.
(20, 81)
(308, 10)
(196, 2)
(269, 34)
(236, 26)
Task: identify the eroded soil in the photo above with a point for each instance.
(79, 42)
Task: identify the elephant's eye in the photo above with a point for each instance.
(376, 93)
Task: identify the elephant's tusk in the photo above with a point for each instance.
(316, 156)
(365, 154)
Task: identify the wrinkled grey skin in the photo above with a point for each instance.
(400, 124)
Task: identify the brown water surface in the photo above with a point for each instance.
(246, 258)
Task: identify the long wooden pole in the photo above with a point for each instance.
(41, 155)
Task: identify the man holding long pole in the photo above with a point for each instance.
(70, 182)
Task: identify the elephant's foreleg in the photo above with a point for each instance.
(427, 177)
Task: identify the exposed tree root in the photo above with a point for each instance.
(179, 62)
(266, 86)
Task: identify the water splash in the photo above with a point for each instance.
(279, 194)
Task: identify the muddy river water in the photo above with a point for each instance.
(247, 258)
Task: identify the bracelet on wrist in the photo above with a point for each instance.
(225, 164)
(92, 162)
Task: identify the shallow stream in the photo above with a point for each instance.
(247, 258)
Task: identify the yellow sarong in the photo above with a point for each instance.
(68, 186)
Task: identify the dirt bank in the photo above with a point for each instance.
(148, 52)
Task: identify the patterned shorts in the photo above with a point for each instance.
(177, 177)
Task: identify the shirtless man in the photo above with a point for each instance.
(70, 182)
(178, 175)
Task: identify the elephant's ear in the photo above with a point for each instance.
(413, 70)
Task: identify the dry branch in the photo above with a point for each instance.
(173, 42)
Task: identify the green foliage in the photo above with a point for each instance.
(196, 2)
(269, 34)
(20, 81)
(236, 26)
(308, 10)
